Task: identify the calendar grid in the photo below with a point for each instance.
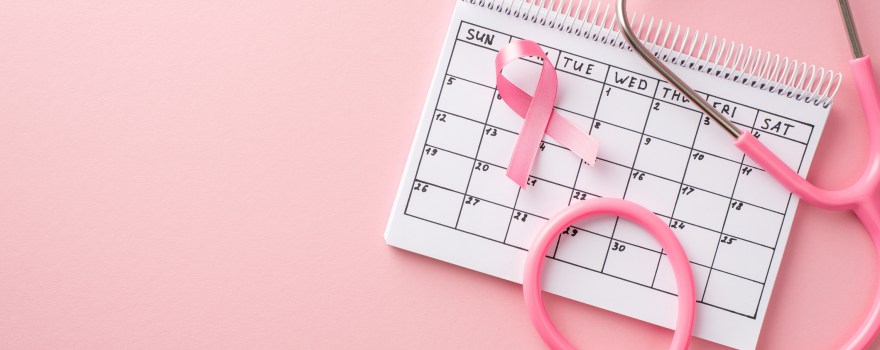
(596, 195)
(693, 109)
(581, 164)
(491, 102)
(581, 229)
(571, 195)
(678, 194)
(718, 245)
(787, 205)
(763, 285)
(628, 129)
(519, 213)
(631, 168)
(577, 173)
(590, 193)
(587, 267)
(616, 163)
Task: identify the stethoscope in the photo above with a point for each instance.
(861, 197)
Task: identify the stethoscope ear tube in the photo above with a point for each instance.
(670, 76)
(851, 33)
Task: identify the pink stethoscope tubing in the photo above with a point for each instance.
(861, 197)
(607, 206)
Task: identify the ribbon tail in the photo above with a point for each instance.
(567, 134)
(526, 149)
(582, 144)
(518, 171)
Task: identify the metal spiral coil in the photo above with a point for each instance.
(676, 45)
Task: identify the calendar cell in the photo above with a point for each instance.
(523, 229)
(603, 179)
(434, 203)
(665, 279)
(466, 99)
(501, 116)
(789, 151)
(583, 248)
(578, 95)
(672, 123)
(784, 127)
(701, 208)
(601, 225)
(711, 173)
(733, 293)
(743, 258)
(670, 95)
(580, 121)
(752, 223)
(738, 113)
(580, 196)
(632, 82)
(757, 187)
(474, 63)
(496, 146)
(629, 232)
(444, 169)
(699, 243)
(654, 193)
(523, 73)
(623, 108)
(552, 55)
(483, 218)
(662, 158)
(543, 198)
(582, 67)
(492, 184)
(455, 134)
(631, 263)
(712, 139)
(556, 164)
(616, 144)
(480, 36)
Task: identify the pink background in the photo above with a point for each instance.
(184, 174)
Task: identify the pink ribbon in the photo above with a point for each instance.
(538, 113)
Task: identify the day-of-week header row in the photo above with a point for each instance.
(641, 84)
(483, 37)
(564, 61)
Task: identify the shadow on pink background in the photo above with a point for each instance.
(182, 174)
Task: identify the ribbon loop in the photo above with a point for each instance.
(538, 113)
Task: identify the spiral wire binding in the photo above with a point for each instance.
(703, 53)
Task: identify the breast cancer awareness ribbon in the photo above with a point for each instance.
(538, 113)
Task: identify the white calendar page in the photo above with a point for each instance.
(456, 204)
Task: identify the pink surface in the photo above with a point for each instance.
(218, 175)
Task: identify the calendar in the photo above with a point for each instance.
(455, 202)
